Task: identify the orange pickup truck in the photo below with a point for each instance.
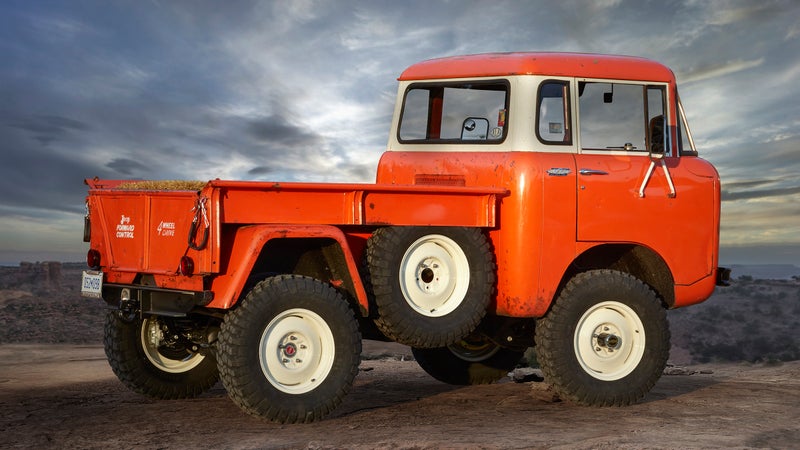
(546, 200)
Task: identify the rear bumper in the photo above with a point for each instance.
(155, 300)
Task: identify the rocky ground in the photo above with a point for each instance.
(65, 396)
(732, 385)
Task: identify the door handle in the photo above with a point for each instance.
(592, 172)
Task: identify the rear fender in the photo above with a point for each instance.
(265, 249)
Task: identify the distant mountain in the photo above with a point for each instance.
(765, 271)
(751, 320)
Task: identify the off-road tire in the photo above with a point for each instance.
(598, 311)
(467, 363)
(161, 373)
(430, 285)
(290, 351)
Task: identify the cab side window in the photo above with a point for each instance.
(552, 119)
(622, 117)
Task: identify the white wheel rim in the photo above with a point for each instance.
(296, 351)
(434, 275)
(152, 336)
(473, 352)
(609, 341)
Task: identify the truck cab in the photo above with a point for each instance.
(597, 158)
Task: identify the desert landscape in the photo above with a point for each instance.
(733, 381)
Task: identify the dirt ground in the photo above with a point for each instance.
(65, 396)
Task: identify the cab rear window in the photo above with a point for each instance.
(454, 113)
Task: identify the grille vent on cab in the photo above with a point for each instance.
(440, 180)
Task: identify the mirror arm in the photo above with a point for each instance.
(649, 174)
(672, 192)
(686, 126)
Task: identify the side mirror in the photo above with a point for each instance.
(608, 97)
(475, 129)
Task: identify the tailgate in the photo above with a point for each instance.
(146, 231)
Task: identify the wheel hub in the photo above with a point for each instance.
(154, 334)
(432, 278)
(427, 275)
(163, 347)
(605, 341)
(292, 349)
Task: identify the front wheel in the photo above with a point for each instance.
(605, 342)
(467, 362)
(290, 351)
(147, 356)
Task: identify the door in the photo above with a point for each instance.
(625, 195)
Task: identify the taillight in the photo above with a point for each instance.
(187, 266)
(93, 259)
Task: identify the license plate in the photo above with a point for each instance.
(92, 284)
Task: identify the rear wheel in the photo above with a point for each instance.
(149, 358)
(605, 342)
(467, 362)
(290, 351)
(431, 285)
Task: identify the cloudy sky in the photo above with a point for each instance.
(303, 90)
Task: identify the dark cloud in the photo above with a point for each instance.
(126, 166)
(735, 186)
(48, 128)
(728, 195)
(360, 171)
(36, 179)
(49, 124)
(276, 130)
(302, 91)
(260, 171)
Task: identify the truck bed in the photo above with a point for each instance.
(149, 230)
